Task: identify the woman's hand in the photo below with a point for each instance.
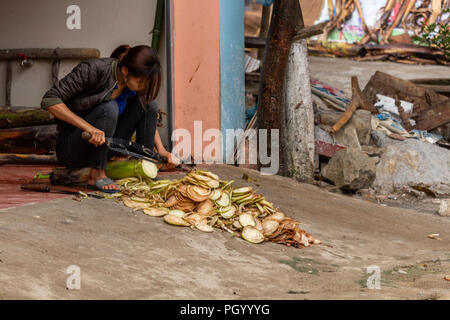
(60, 111)
(97, 136)
(173, 160)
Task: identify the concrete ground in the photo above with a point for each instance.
(338, 71)
(127, 255)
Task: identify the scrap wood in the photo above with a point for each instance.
(339, 49)
(399, 49)
(390, 86)
(370, 34)
(434, 236)
(31, 159)
(301, 33)
(364, 102)
(434, 117)
(403, 8)
(351, 108)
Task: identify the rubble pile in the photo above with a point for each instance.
(395, 137)
(203, 202)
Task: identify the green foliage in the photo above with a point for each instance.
(436, 36)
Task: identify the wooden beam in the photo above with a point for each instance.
(308, 32)
(260, 42)
(31, 159)
(63, 53)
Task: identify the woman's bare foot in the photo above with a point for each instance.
(97, 174)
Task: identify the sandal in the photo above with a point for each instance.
(101, 183)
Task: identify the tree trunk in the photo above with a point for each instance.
(298, 130)
(285, 18)
(299, 123)
(28, 118)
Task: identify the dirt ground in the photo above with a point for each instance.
(127, 255)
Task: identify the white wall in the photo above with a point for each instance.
(105, 24)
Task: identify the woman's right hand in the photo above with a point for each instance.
(60, 111)
(97, 136)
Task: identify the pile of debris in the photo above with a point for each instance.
(393, 135)
(202, 201)
(379, 43)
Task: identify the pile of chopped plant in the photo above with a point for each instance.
(202, 201)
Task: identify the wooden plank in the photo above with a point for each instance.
(303, 33)
(387, 85)
(43, 53)
(31, 159)
(434, 117)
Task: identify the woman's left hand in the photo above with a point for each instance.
(173, 160)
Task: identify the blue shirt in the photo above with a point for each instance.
(122, 99)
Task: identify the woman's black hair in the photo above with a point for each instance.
(142, 62)
(120, 51)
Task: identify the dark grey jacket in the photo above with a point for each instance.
(87, 85)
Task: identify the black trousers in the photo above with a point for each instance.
(75, 152)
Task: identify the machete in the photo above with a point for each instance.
(131, 149)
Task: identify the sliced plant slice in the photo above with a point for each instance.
(175, 220)
(227, 212)
(247, 220)
(258, 225)
(252, 235)
(204, 226)
(279, 216)
(215, 195)
(243, 190)
(156, 212)
(177, 213)
(237, 225)
(209, 174)
(200, 177)
(224, 200)
(139, 199)
(213, 183)
(170, 202)
(205, 208)
(269, 226)
(194, 219)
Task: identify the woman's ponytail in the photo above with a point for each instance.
(120, 51)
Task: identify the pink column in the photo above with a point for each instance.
(196, 64)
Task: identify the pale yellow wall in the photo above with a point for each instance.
(105, 24)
